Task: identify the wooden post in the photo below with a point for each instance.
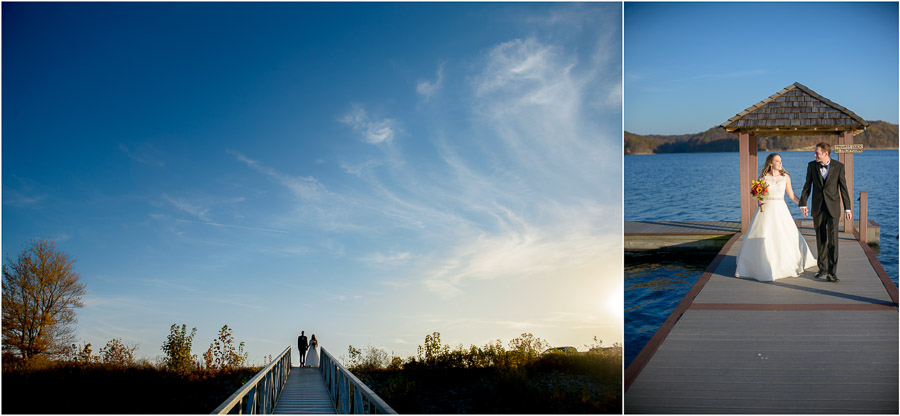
(754, 161)
(744, 148)
(847, 160)
(753, 164)
(864, 217)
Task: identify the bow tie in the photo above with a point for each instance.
(823, 166)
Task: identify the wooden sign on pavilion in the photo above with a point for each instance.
(795, 110)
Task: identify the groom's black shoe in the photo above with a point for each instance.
(821, 274)
(833, 278)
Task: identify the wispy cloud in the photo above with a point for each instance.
(233, 226)
(185, 206)
(520, 191)
(26, 194)
(389, 259)
(514, 64)
(358, 169)
(429, 88)
(372, 130)
(515, 255)
(144, 153)
(530, 95)
(18, 199)
(305, 187)
(294, 251)
(61, 237)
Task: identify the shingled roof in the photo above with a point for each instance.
(795, 110)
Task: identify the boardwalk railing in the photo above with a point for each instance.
(348, 393)
(258, 396)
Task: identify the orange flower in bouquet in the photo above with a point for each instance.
(759, 189)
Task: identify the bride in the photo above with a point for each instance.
(312, 357)
(773, 247)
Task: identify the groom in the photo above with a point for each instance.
(829, 187)
(302, 346)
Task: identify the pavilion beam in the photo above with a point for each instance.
(847, 160)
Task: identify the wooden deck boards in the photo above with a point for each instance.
(700, 235)
(797, 345)
(859, 282)
(305, 393)
(682, 227)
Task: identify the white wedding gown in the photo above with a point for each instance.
(773, 247)
(312, 357)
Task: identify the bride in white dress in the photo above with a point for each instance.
(312, 357)
(773, 247)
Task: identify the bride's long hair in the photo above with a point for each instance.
(769, 168)
(314, 341)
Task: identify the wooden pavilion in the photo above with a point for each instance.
(795, 110)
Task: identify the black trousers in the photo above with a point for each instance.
(826, 227)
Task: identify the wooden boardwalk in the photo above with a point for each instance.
(679, 235)
(698, 235)
(304, 392)
(797, 345)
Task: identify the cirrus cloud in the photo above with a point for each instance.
(372, 131)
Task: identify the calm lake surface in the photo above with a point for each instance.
(705, 187)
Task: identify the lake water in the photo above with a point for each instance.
(704, 187)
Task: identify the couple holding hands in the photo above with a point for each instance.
(773, 247)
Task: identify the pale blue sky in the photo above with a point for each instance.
(370, 173)
(692, 66)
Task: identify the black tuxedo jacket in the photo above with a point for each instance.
(826, 193)
(301, 343)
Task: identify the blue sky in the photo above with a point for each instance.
(370, 173)
(692, 66)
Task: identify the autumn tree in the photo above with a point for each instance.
(178, 348)
(116, 352)
(40, 293)
(222, 354)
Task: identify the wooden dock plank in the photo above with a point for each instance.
(305, 393)
(788, 366)
(859, 283)
(682, 227)
(701, 235)
(797, 345)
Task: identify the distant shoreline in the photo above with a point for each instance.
(880, 135)
(805, 149)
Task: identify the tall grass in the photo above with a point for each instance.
(53, 387)
(493, 379)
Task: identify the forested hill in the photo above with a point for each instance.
(879, 135)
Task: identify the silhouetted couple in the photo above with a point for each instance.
(308, 358)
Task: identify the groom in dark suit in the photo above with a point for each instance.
(302, 346)
(829, 187)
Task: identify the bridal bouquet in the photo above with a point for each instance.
(759, 189)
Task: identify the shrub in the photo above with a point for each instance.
(178, 348)
(116, 352)
(222, 354)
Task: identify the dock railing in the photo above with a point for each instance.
(258, 396)
(348, 393)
